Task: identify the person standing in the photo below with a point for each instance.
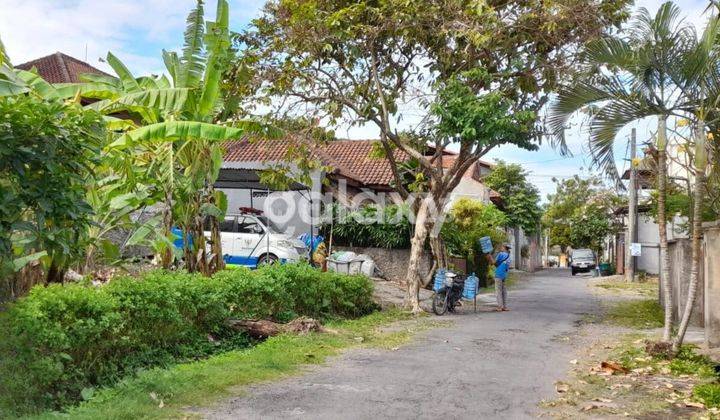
(502, 265)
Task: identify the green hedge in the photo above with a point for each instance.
(61, 342)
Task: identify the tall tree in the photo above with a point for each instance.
(699, 75)
(631, 78)
(477, 72)
(520, 196)
(579, 213)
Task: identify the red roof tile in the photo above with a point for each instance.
(60, 68)
(351, 158)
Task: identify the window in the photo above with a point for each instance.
(228, 225)
(249, 225)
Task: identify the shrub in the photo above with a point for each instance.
(61, 342)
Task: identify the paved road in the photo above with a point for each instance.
(506, 363)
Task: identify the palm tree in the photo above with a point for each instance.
(632, 79)
(699, 78)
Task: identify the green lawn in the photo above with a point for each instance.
(646, 288)
(166, 393)
(636, 314)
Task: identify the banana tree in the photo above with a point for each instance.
(178, 135)
(633, 79)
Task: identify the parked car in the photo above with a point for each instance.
(251, 240)
(582, 261)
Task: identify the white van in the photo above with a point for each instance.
(251, 240)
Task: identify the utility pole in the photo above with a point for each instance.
(631, 235)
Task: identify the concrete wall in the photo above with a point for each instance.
(392, 263)
(680, 252)
(649, 238)
(712, 284)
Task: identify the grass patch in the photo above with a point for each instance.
(647, 288)
(641, 314)
(631, 354)
(708, 394)
(166, 393)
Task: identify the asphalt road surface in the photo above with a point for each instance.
(486, 365)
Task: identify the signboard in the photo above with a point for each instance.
(635, 249)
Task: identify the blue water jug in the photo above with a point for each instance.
(439, 279)
(486, 244)
(471, 286)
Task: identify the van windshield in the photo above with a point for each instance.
(270, 224)
(583, 253)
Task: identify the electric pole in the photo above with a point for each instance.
(631, 236)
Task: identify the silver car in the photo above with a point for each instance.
(582, 261)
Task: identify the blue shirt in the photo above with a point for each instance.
(502, 265)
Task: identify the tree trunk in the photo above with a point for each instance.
(56, 273)
(700, 166)
(264, 329)
(412, 278)
(166, 254)
(662, 227)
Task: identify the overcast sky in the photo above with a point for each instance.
(137, 31)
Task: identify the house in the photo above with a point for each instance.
(648, 231)
(351, 173)
(60, 68)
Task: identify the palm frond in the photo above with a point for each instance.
(218, 42)
(126, 78)
(187, 130)
(569, 101)
(172, 64)
(166, 101)
(192, 63)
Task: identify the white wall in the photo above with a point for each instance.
(649, 238)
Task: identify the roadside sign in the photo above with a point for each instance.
(635, 249)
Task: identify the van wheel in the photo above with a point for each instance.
(267, 259)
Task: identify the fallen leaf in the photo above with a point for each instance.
(574, 361)
(694, 404)
(153, 396)
(613, 367)
(395, 348)
(604, 400)
(669, 385)
(162, 404)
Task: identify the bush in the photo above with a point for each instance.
(61, 342)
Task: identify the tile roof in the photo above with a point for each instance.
(356, 155)
(60, 68)
(350, 158)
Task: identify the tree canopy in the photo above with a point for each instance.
(579, 213)
(520, 197)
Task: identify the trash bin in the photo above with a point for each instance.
(605, 269)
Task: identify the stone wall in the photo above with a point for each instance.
(393, 263)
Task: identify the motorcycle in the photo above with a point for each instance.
(449, 295)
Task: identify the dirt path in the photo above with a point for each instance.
(486, 365)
